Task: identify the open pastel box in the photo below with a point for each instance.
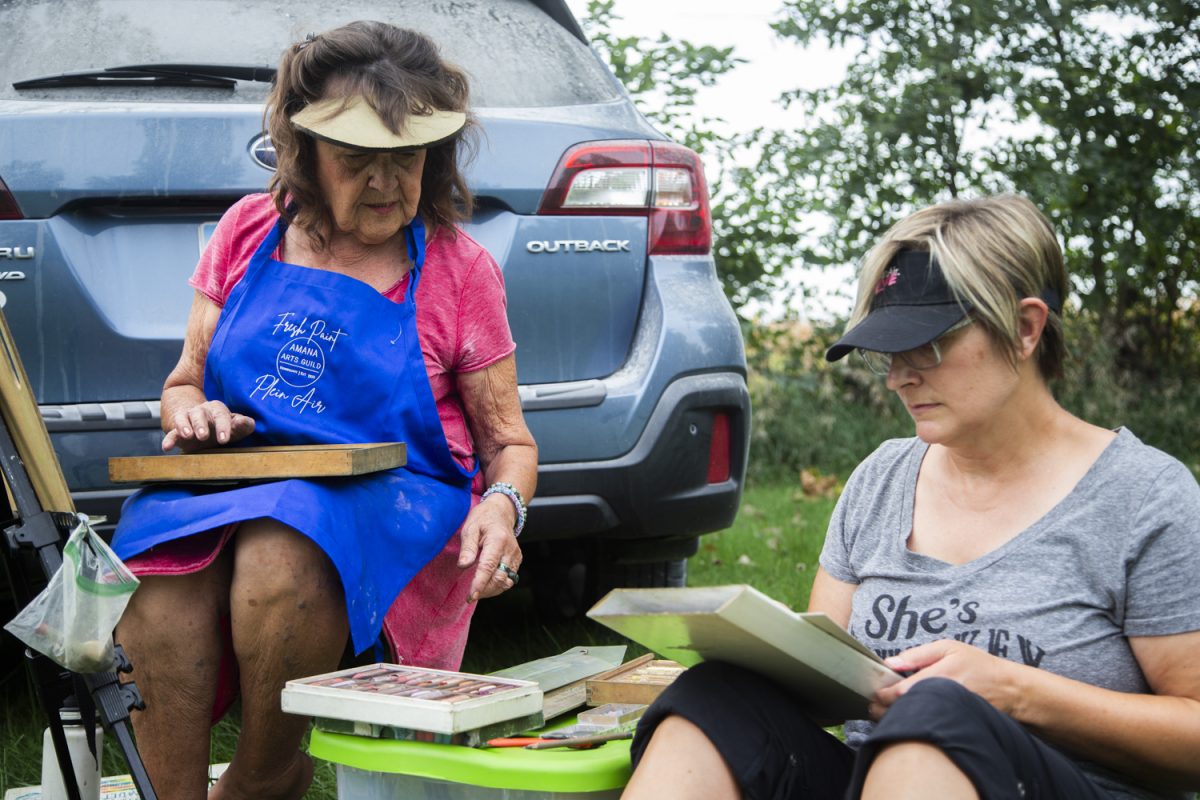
(440, 701)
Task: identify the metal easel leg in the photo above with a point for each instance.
(31, 528)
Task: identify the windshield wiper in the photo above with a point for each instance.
(241, 72)
(207, 76)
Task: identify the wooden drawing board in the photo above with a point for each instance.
(24, 422)
(260, 463)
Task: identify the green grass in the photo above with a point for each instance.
(773, 546)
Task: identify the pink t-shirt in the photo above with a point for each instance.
(461, 306)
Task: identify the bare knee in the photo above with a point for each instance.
(287, 606)
(916, 769)
(681, 761)
(278, 568)
(166, 608)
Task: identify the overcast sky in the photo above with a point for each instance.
(748, 96)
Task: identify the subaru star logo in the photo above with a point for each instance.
(262, 151)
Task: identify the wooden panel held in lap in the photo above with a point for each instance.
(260, 463)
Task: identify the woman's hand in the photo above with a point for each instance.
(488, 542)
(208, 424)
(992, 678)
(190, 420)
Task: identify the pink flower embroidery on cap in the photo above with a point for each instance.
(889, 279)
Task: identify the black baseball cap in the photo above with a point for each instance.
(913, 305)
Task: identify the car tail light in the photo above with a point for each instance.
(658, 180)
(8, 204)
(718, 449)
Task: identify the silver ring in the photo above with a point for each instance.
(509, 572)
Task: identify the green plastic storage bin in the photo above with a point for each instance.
(385, 769)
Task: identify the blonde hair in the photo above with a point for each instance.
(994, 251)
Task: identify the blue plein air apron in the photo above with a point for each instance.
(319, 357)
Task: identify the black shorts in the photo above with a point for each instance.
(775, 751)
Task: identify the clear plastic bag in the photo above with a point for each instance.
(73, 618)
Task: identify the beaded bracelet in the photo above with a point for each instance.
(510, 491)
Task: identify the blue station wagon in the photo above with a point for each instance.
(128, 126)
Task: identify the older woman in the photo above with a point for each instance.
(343, 306)
(1032, 575)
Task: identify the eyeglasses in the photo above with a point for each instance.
(927, 356)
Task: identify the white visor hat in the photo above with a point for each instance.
(353, 123)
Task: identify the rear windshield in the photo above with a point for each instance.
(515, 54)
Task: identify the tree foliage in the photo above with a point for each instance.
(664, 76)
(1089, 107)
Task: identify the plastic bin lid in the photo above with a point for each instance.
(556, 770)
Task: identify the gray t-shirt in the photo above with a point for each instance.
(1119, 556)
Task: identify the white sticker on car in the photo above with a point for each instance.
(206, 231)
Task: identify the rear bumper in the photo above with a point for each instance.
(660, 488)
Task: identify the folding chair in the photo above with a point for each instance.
(36, 516)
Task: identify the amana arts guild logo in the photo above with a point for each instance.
(300, 363)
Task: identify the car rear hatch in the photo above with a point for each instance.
(115, 189)
(118, 202)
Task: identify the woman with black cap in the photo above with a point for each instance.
(342, 306)
(1033, 576)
